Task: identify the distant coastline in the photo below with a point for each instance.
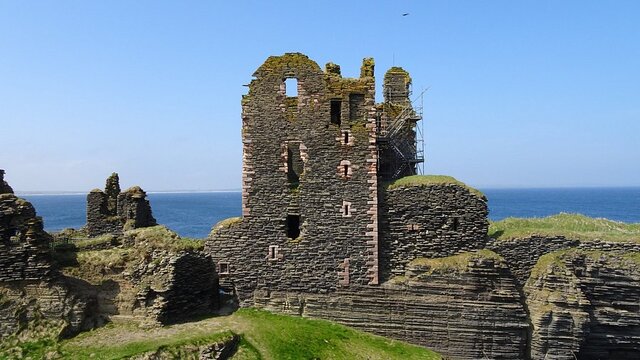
(58, 193)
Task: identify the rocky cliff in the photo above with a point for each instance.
(33, 295)
(586, 305)
(466, 306)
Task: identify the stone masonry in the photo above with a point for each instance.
(31, 289)
(309, 182)
(111, 211)
(430, 222)
(328, 230)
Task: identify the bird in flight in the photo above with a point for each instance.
(405, 14)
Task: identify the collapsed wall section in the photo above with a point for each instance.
(24, 245)
(111, 211)
(32, 292)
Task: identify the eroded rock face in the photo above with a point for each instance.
(111, 211)
(586, 305)
(148, 278)
(471, 312)
(24, 245)
(32, 292)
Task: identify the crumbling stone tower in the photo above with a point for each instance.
(111, 211)
(317, 155)
(309, 192)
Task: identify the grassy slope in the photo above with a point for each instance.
(264, 336)
(573, 226)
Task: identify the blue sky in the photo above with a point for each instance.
(521, 93)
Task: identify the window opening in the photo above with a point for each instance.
(346, 170)
(346, 209)
(336, 106)
(356, 106)
(295, 166)
(346, 137)
(293, 226)
(223, 268)
(291, 87)
(273, 252)
(456, 223)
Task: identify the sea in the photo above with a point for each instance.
(192, 214)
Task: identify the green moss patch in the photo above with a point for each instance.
(226, 223)
(571, 226)
(455, 263)
(429, 180)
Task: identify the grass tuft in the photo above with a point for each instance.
(427, 180)
(455, 263)
(571, 226)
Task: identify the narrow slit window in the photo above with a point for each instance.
(293, 226)
(291, 87)
(336, 106)
(346, 209)
(346, 137)
(456, 224)
(346, 170)
(273, 252)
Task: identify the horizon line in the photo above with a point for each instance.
(492, 187)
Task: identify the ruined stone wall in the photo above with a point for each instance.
(522, 254)
(24, 245)
(174, 287)
(4, 187)
(31, 303)
(585, 305)
(476, 313)
(111, 211)
(334, 186)
(429, 222)
(31, 290)
(134, 208)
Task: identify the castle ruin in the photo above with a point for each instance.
(111, 211)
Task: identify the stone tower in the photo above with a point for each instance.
(309, 181)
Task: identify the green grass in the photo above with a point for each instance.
(263, 335)
(291, 337)
(160, 238)
(225, 224)
(174, 346)
(102, 240)
(571, 226)
(556, 261)
(426, 180)
(455, 263)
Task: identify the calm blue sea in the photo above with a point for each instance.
(193, 214)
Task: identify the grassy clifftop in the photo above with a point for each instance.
(426, 180)
(263, 336)
(572, 226)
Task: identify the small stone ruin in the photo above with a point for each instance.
(112, 211)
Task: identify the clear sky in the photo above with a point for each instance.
(521, 93)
